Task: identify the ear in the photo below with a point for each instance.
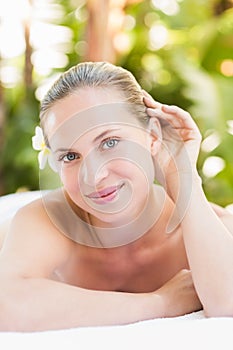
(155, 134)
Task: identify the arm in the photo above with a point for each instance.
(208, 239)
(30, 301)
(37, 304)
(209, 246)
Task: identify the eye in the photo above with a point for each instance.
(109, 143)
(69, 157)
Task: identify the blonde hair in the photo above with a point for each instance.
(97, 75)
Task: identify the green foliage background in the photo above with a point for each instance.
(185, 72)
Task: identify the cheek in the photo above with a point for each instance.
(69, 176)
(139, 168)
(70, 179)
(139, 158)
(139, 172)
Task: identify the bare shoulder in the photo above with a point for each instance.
(225, 215)
(34, 246)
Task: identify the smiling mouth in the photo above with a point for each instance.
(105, 195)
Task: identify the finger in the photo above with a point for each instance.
(179, 113)
(153, 114)
(146, 94)
(178, 119)
(176, 126)
(149, 101)
(173, 120)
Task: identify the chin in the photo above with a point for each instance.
(121, 217)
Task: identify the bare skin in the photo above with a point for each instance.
(156, 275)
(140, 268)
(161, 271)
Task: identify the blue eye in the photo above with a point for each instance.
(109, 143)
(69, 157)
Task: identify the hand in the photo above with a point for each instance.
(179, 295)
(180, 142)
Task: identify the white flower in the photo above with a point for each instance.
(45, 154)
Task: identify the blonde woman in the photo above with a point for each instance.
(111, 246)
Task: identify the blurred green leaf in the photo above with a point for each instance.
(187, 70)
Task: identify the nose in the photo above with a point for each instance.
(93, 170)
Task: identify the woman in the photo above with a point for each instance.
(110, 239)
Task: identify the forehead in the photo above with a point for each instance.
(91, 122)
(80, 100)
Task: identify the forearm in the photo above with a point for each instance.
(40, 304)
(209, 247)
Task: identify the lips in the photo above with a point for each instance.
(108, 193)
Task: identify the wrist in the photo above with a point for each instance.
(182, 182)
(159, 304)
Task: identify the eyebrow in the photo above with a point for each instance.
(104, 133)
(97, 138)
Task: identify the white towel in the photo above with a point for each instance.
(188, 332)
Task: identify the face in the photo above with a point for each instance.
(103, 154)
